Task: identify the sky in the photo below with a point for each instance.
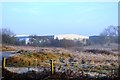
(52, 18)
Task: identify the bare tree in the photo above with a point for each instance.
(110, 31)
(7, 36)
(110, 34)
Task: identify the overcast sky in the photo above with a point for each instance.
(84, 18)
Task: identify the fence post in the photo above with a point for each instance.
(52, 67)
(3, 67)
(4, 63)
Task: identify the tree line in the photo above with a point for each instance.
(51, 42)
(109, 35)
(8, 37)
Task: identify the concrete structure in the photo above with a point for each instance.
(27, 37)
(74, 37)
(59, 37)
(71, 37)
(23, 37)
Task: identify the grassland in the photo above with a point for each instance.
(100, 63)
(6, 48)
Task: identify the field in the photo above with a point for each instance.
(6, 48)
(75, 61)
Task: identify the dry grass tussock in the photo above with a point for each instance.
(6, 48)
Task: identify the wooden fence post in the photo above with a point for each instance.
(3, 67)
(4, 63)
(52, 67)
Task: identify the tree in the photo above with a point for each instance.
(110, 31)
(7, 36)
(110, 34)
(39, 41)
(67, 43)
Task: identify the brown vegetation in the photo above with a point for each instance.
(6, 48)
(46, 75)
(36, 59)
(64, 60)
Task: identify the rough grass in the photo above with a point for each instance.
(6, 48)
(35, 59)
(46, 75)
(100, 63)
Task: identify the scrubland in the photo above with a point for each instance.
(65, 59)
